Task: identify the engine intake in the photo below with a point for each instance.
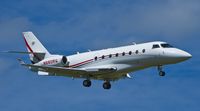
(64, 59)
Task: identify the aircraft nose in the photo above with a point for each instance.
(175, 55)
(184, 55)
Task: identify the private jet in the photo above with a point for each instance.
(107, 64)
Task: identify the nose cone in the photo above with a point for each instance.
(175, 55)
(181, 55)
(185, 55)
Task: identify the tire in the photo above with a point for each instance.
(162, 73)
(106, 85)
(87, 83)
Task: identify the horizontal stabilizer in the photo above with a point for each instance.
(21, 61)
(22, 52)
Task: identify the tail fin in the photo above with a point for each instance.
(37, 51)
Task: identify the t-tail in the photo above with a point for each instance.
(37, 52)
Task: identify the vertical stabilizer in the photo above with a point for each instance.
(37, 51)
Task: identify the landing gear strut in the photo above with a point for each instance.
(87, 83)
(106, 85)
(161, 72)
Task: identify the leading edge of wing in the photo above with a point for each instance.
(64, 70)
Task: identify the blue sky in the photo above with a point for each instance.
(67, 26)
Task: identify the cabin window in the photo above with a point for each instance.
(130, 52)
(123, 54)
(95, 58)
(116, 54)
(155, 46)
(143, 50)
(136, 51)
(110, 55)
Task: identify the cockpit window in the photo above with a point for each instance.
(155, 46)
(166, 45)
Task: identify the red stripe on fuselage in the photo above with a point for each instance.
(81, 63)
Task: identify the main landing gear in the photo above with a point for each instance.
(161, 72)
(106, 85)
(88, 83)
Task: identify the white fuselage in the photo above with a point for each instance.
(128, 58)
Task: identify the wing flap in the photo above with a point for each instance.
(101, 69)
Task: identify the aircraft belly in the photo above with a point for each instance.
(128, 65)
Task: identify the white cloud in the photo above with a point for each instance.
(170, 20)
(119, 22)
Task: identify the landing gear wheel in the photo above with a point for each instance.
(87, 83)
(106, 85)
(162, 73)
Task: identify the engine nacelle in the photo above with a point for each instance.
(57, 60)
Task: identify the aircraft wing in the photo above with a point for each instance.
(71, 72)
(55, 69)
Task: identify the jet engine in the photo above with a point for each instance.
(57, 60)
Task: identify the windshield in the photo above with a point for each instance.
(166, 45)
(155, 46)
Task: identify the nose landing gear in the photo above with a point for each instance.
(161, 72)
